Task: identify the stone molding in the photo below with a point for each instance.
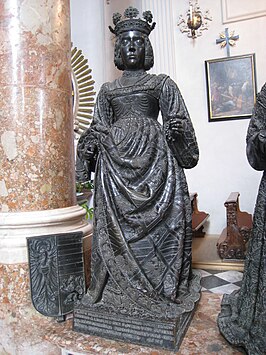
(232, 12)
(15, 227)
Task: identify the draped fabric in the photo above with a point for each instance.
(243, 316)
(142, 214)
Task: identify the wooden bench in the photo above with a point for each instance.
(198, 217)
(232, 241)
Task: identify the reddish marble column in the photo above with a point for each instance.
(36, 139)
(37, 179)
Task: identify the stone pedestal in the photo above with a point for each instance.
(119, 315)
(149, 332)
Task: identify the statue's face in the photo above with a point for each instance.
(133, 50)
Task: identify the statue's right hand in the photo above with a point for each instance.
(262, 136)
(91, 151)
(262, 141)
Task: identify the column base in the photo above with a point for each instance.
(15, 227)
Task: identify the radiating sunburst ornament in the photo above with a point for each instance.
(83, 94)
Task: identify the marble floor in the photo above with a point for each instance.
(221, 281)
(213, 282)
(23, 331)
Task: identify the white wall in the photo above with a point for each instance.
(87, 34)
(223, 166)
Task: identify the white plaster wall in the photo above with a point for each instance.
(88, 34)
(223, 166)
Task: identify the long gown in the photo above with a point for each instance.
(141, 249)
(242, 320)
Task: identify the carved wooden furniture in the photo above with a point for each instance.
(198, 217)
(232, 242)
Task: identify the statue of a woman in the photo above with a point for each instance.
(141, 250)
(242, 320)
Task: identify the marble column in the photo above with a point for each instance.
(37, 176)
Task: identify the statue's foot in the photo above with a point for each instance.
(86, 300)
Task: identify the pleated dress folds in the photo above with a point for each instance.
(142, 236)
(242, 320)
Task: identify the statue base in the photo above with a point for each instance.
(167, 334)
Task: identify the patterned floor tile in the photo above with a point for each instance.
(228, 289)
(213, 272)
(238, 283)
(221, 282)
(212, 281)
(204, 273)
(230, 276)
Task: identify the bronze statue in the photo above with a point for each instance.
(141, 251)
(242, 320)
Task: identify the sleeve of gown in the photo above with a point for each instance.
(256, 135)
(184, 147)
(91, 138)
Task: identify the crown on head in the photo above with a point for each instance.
(131, 23)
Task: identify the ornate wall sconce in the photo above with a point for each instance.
(194, 22)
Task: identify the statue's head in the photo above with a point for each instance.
(133, 48)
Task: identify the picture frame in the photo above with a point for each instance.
(231, 87)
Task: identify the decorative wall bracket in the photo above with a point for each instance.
(194, 21)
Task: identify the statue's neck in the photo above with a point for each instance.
(133, 73)
(131, 77)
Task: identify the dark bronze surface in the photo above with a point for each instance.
(141, 250)
(242, 320)
(56, 272)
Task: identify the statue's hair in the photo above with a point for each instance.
(149, 58)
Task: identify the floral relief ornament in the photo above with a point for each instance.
(131, 12)
(131, 20)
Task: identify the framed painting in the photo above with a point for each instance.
(231, 87)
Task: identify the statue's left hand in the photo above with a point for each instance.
(91, 151)
(262, 141)
(176, 126)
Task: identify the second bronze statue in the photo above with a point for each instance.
(142, 288)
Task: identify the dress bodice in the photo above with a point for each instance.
(135, 97)
(135, 105)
